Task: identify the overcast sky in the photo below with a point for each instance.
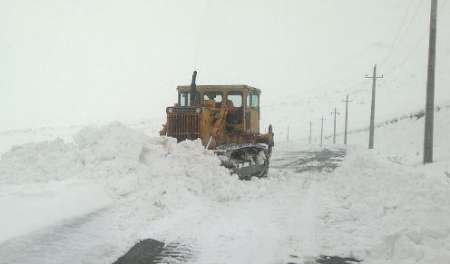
(68, 62)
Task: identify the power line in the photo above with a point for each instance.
(413, 17)
(399, 32)
(409, 55)
(407, 20)
(395, 65)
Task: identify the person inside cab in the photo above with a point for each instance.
(234, 105)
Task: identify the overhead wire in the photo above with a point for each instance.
(394, 67)
(399, 32)
(411, 20)
(410, 54)
(353, 87)
(441, 74)
(406, 22)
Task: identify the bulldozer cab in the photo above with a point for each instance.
(241, 100)
(226, 119)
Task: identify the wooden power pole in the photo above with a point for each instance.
(335, 113)
(310, 132)
(374, 78)
(287, 135)
(429, 105)
(346, 119)
(321, 133)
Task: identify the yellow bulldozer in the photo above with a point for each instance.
(226, 120)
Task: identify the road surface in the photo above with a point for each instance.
(274, 224)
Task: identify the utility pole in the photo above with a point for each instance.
(310, 132)
(335, 113)
(287, 135)
(346, 119)
(374, 78)
(321, 133)
(429, 105)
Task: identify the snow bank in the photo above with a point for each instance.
(384, 204)
(152, 176)
(118, 156)
(384, 212)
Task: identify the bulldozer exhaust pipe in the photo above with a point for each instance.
(194, 89)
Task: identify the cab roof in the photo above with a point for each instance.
(220, 88)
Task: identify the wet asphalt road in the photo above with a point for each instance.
(325, 160)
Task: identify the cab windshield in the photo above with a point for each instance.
(235, 99)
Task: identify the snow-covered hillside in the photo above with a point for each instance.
(401, 138)
(90, 198)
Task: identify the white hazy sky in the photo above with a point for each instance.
(68, 62)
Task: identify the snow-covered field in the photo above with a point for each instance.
(90, 197)
(402, 141)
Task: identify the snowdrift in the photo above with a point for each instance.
(384, 205)
(57, 180)
(122, 158)
(384, 212)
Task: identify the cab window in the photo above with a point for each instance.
(235, 99)
(253, 100)
(216, 97)
(184, 99)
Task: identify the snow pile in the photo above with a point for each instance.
(39, 162)
(123, 159)
(119, 167)
(384, 212)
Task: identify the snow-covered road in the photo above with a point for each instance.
(269, 225)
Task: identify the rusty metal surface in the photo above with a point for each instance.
(183, 123)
